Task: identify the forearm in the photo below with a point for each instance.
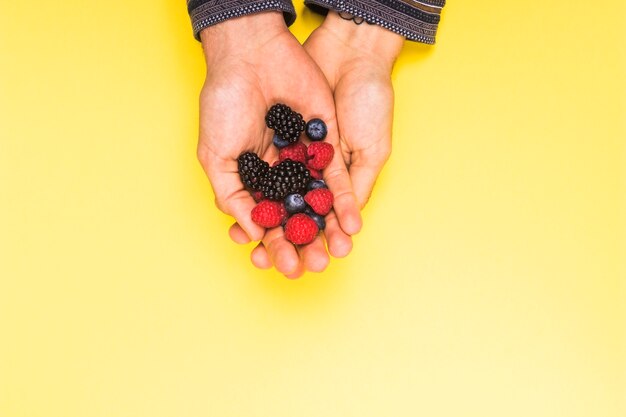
(240, 36)
(416, 20)
(207, 13)
(380, 44)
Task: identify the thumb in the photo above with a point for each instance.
(231, 197)
(364, 172)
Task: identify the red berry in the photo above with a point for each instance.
(320, 154)
(295, 152)
(269, 213)
(300, 229)
(315, 174)
(257, 195)
(320, 200)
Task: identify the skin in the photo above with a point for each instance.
(347, 73)
(254, 62)
(357, 61)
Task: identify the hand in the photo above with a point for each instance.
(357, 60)
(254, 62)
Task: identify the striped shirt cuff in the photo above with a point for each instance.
(204, 13)
(415, 20)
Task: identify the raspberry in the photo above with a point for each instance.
(300, 229)
(320, 154)
(315, 174)
(320, 200)
(269, 213)
(252, 170)
(287, 124)
(295, 152)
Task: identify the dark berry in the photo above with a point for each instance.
(287, 124)
(287, 177)
(279, 142)
(316, 184)
(252, 170)
(316, 129)
(319, 220)
(294, 203)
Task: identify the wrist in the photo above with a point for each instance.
(365, 38)
(241, 35)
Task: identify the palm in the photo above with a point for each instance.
(236, 96)
(364, 130)
(363, 97)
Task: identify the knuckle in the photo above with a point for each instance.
(385, 151)
(335, 174)
(220, 204)
(318, 265)
(202, 153)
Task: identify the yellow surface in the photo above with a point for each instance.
(488, 279)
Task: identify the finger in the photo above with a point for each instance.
(239, 205)
(231, 198)
(345, 202)
(297, 273)
(339, 243)
(238, 235)
(338, 180)
(260, 258)
(314, 255)
(364, 177)
(282, 253)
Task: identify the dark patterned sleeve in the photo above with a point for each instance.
(205, 13)
(413, 19)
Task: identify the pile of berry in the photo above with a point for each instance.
(291, 192)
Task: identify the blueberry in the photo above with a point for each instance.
(294, 203)
(316, 129)
(315, 184)
(279, 142)
(319, 220)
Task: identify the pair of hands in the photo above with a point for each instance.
(342, 74)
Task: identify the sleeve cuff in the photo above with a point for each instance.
(415, 20)
(204, 13)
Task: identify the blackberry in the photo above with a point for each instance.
(288, 177)
(252, 170)
(287, 124)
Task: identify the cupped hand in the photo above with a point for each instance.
(254, 62)
(357, 61)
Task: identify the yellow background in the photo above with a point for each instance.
(488, 279)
